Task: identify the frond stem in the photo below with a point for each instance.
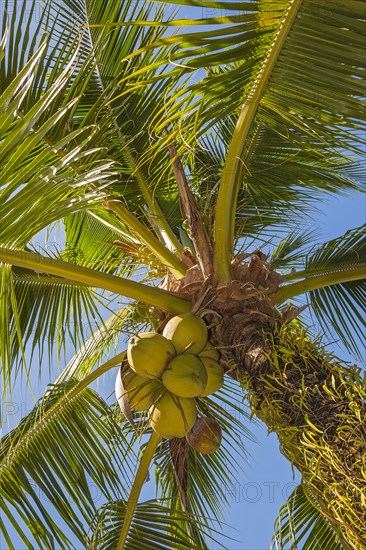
(320, 271)
(157, 215)
(230, 182)
(137, 486)
(170, 260)
(319, 281)
(156, 297)
(46, 280)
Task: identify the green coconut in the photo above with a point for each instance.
(215, 376)
(173, 416)
(148, 354)
(185, 376)
(141, 393)
(205, 435)
(210, 351)
(187, 332)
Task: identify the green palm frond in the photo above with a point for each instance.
(63, 135)
(281, 178)
(349, 250)
(100, 239)
(48, 311)
(49, 457)
(153, 526)
(289, 253)
(328, 36)
(301, 525)
(337, 304)
(37, 187)
(45, 311)
(122, 124)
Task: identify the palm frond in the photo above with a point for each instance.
(122, 124)
(48, 311)
(153, 526)
(300, 524)
(37, 187)
(89, 242)
(316, 35)
(289, 252)
(335, 255)
(48, 457)
(45, 311)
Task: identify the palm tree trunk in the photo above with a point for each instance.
(317, 407)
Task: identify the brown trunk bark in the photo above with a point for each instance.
(317, 408)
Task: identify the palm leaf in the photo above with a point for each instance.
(90, 242)
(289, 252)
(46, 311)
(122, 124)
(61, 459)
(36, 184)
(153, 526)
(316, 34)
(300, 522)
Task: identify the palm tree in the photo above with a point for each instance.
(167, 161)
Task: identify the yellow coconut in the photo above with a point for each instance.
(173, 416)
(215, 376)
(187, 332)
(205, 435)
(185, 376)
(141, 393)
(148, 354)
(210, 351)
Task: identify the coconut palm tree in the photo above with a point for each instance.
(168, 164)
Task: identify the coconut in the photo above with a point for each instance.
(187, 332)
(185, 376)
(148, 354)
(141, 393)
(215, 375)
(120, 391)
(173, 416)
(205, 435)
(210, 351)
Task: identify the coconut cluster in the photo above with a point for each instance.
(168, 371)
